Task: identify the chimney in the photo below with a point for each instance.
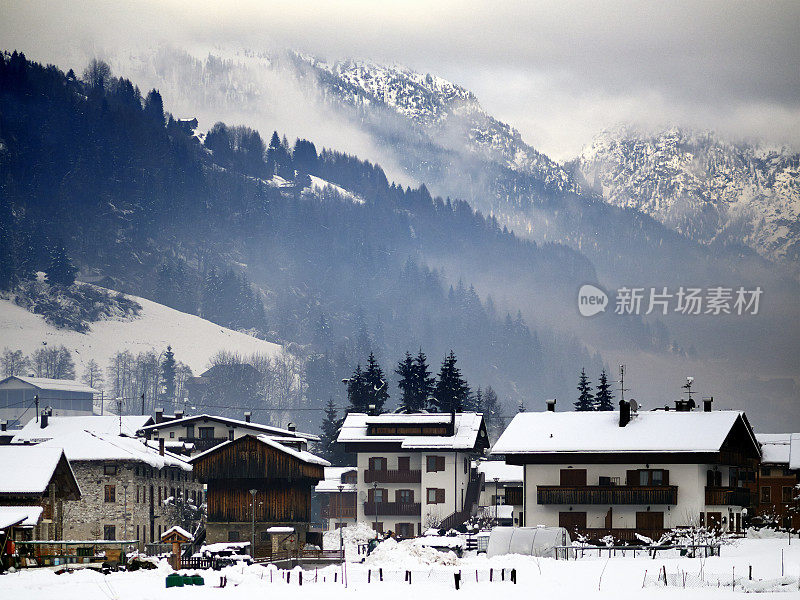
(44, 418)
(551, 405)
(624, 413)
(291, 427)
(247, 416)
(159, 415)
(707, 404)
(178, 414)
(161, 446)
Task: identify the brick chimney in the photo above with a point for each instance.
(707, 403)
(43, 420)
(291, 427)
(159, 415)
(247, 416)
(3, 425)
(178, 414)
(551, 405)
(624, 413)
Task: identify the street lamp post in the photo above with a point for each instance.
(341, 535)
(253, 525)
(375, 500)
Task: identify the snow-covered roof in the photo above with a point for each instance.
(27, 469)
(467, 428)
(59, 427)
(301, 455)
(179, 530)
(19, 516)
(500, 470)
(333, 479)
(60, 385)
(279, 529)
(794, 452)
(256, 427)
(588, 432)
(90, 446)
(775, 447)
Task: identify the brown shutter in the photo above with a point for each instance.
(371, 494)
(666, 477)
(573, 477)
(397, 495)
(439, 496)
(440, 463)
(632, 477)
(404, 463)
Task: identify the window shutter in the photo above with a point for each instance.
(371, 495)
(440, 465)
(666, 477)
(439, 496)
(632, 477)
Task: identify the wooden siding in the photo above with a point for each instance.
(275, 501)
(248, 458)
(391, 509)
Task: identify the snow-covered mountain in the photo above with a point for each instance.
(193, 339)
(445, 113)
(707, 188)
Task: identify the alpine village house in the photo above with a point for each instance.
(628, 472)
(414, 471)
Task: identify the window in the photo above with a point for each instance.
(230, 434)
(405, 496)
(377, 463)
(765, 471)
(190, 432)
(657, 476)
(109, 532)
(110, 494)
(466, 465)
(766, 494)
(405, 530)
(786, 496)
(109, 469)
(435, 495)
(137, 496)
(172, 434)
(379, 495)
(206, 433)
(233, 536)
(434, 464)
(404, 463)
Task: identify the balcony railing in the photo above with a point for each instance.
(513, 496)
(338, 512)
(392, 476)
(203, 444)
(392, 509)
(733, 496)
(623, 535)
(556, 494)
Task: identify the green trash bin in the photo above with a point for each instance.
(198, 580)
(174, 580)
(188, 580)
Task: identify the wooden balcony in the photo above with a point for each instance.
(732, 496)
(338, 512)
(392, 476)
(392, 509)
(513, 496)
(614, 494)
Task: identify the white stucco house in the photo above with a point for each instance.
(622, 473)
(414, 471)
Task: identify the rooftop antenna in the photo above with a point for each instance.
(622, 388)
(688, 387)
(119, 412)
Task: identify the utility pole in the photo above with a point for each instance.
(341, 535)
(142, 403)
(36, 401)
(622, 388)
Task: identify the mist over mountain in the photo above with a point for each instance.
(336, 275)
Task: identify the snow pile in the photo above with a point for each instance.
(353, 535)
(408, 554)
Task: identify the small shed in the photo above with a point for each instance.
(528, 541)
(176, 536)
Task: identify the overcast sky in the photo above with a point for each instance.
(557, 71)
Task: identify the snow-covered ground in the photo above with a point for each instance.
(194, 340)
(618, 578)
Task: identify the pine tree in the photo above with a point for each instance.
(167, 395)
(376, 385)
(357, 393)
(405, 370)
(586, 398)
(425, 383)
(452, 392)
(604, 398)
(492, 413)
(327, 446)
(60, 271)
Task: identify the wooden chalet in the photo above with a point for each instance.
(282, 478)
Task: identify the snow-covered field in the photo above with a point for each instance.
(619, 578)
(194, 340)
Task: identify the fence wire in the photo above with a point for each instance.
(732, 581)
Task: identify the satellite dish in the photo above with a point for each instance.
(362, 496)
(634, 405)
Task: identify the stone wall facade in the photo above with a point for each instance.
(128, 500)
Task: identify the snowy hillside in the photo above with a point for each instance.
(194, 340)
(704, 187)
